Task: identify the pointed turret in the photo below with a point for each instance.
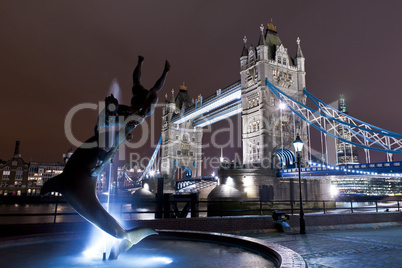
(244, 55)
(244, 52)
(172, 98)
(300, 60)
(165, 105)
(299, 53)
(170, 105)
(262, 49)
(261, 41)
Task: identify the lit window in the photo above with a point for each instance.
(6, 173)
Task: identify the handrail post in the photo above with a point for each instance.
(323, 205)
(376, 206)
(398, 206)
(291, 206)
(55, 213)
(260, 207)
(351, 206)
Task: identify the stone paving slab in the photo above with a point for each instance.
(370, 246)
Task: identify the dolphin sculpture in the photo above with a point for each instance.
(77, 183)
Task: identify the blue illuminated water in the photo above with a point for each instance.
(148, 253)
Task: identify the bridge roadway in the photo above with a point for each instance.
(375, 170)
(224, 103)
(195, 184)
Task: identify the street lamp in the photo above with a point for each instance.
(298, 144)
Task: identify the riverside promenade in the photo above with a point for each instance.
(361, 245)
(332, 240)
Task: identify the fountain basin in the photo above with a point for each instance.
(168, 249)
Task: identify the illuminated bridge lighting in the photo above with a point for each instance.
(357, 169)
(215, 118)
(232, 94)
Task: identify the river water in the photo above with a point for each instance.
(37, 213)
(45, 212)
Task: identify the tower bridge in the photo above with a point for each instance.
(271, 97)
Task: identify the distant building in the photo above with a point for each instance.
(14, 174)
(39, 173)
(19, 178)
(346, 152)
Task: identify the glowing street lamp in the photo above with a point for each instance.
(298, 144)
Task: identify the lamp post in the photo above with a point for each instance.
(298, 144)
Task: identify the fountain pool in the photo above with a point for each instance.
(169, 249)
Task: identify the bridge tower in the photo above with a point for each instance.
(181, 143)
(268, 129)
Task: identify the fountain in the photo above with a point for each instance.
(77, 184)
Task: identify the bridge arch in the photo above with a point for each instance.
(286, 158)
(183, 172)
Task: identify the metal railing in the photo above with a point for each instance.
(147, 210)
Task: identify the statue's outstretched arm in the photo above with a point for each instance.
(137, 71)
(161, 81)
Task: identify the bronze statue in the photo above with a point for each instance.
(142, 103)
(77, 183)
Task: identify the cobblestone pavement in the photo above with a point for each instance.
(364, 247)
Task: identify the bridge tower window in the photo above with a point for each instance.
(272, 101)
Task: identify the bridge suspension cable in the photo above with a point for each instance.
(151, 161)
(332, 122)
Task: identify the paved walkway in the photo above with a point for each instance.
(368, 246)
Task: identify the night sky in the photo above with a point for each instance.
(55, 55)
